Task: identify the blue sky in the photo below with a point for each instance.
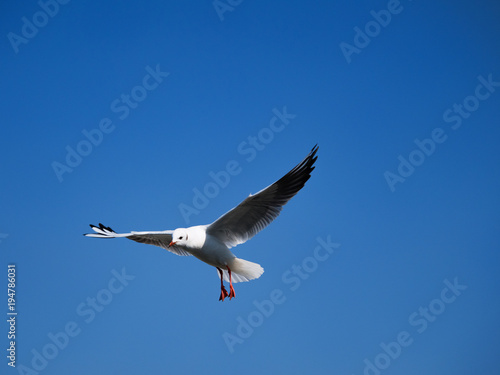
(119, 113)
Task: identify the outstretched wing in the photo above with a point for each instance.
(259, 210)
(161, 239)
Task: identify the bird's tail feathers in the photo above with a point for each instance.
(243, 270)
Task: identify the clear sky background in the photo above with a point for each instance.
(403, 237)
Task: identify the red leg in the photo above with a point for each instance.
(223, 291)
(231, 289)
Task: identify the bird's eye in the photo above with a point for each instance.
(180, 238)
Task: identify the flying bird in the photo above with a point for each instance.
(211, 243)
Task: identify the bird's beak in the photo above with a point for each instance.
(171, 243)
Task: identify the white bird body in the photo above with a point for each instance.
(211, 243)
(205, 247)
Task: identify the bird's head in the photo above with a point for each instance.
(179, 237)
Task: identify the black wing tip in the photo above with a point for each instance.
(307, 165)
(294, 180)
(312, 155)
(99, 229)
(102, 226)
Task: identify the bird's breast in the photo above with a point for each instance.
(213, 252)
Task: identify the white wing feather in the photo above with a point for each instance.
(161, 238)
(257, 211)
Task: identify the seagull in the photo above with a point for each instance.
(211, 243)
